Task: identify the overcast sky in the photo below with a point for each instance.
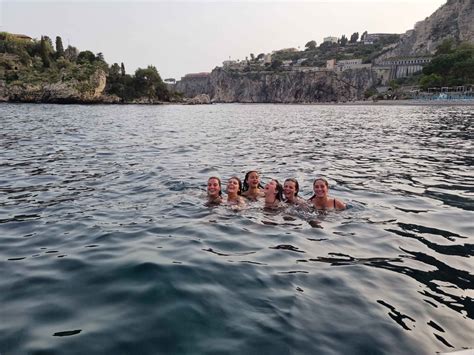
(183, 37)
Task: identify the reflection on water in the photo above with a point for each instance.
(108, 247)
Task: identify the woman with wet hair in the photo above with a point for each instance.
(321, 199)
(291, 188)
(273, 194)
(214, 191)
(252, 189)
(234, 191)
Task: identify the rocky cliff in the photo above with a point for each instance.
(452, 20)
(74, 91)
(192, 85)
(291, 86)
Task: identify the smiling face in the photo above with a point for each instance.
(213, 187)
(320, 188)
(233, 186)
(290, 189)
(271, 188)
(253, 179)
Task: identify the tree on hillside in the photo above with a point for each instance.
(100, 56)
(327, 46)
(86, 57)
(148, 83)
(451, 67)
(311, 45)
(354, 37)
(445, 47)
(260, 56)
(276, 64)
(49, 41)
(343, 40)
(122, 69)
(71, 53)
(252, 57)
(45, 51)
(363, 35)
(59, 47)
(114, 70)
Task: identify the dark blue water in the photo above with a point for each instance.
(107, 247)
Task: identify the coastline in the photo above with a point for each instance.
(407, 102)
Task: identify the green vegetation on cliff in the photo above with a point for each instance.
(344, 49)
(452, 65)
(26, 61)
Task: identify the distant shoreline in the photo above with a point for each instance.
(409, 103)
(349, 103)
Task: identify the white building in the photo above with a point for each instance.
(267, 58)
(331, 64)
(330, 39)
(346, 64)
(228, 63)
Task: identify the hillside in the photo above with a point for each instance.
(454, 20)
(34, 70)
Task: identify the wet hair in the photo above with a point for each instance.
(219, 181)
(245, 185)
(297, 186)
(240, 184)
(279, 188)
(314, 182)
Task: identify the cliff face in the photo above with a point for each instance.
(61, 92)
(285, 86)
(193, 86)
(452, 20)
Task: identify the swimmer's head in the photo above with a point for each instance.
(274, 187)
(291, 187)
(234, 185)
(214, 187)
(320, 187)
(251, 180)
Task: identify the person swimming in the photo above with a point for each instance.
(321, 199)
(214, 191)
(252, 189)
(234, 191)
(291, 188)
(273, 194)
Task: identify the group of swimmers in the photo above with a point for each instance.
(273, 194)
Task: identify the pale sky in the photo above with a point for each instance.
(180, 37)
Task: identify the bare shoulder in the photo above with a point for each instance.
(340, 205)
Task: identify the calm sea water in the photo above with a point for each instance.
(107, 247)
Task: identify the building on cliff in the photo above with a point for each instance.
(346, 64)
(372, 37)
(21, 36)
(330, 39)
(403, 67)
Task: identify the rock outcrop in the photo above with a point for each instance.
(286, 86)
(60, 92)
(192, 85)
(452, 20)
(201, 99)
